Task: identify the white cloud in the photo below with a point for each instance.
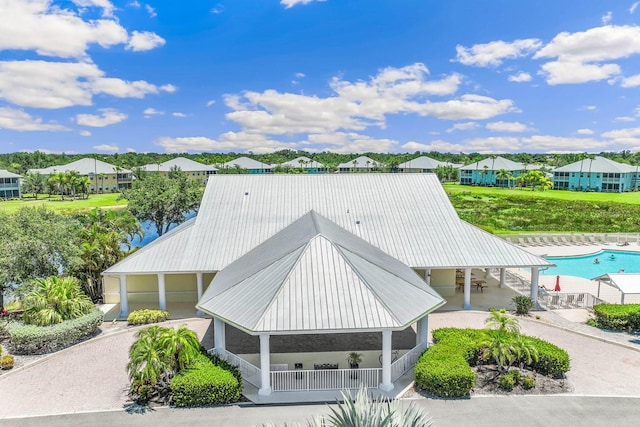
(178, 114)
(107, 148)
(355, 106)
(51, 30)
(105, 5)
(144, 40)
(44, 84)
(627, 137)
(300, 75)
(48, 151)
(625, 119)
(150, 10)
(148, 112)
(350, 142)
(580, 55)
(520, 77)
(438, 145)
(550, 143)
(492, 54)
(585, 131)
(230, 141)
(107, 117)
(131, 150)
(631, 81)
(633, 7)
(507, 127)
(85, 133)
(589, 107)
(607, 17)
(217, 9)
(463, 126)
(19, 120)
(134, 3)
(211, 102)
(288, 4)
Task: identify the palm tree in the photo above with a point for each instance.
(483, 172)
(54, 300)
(493, 161)
(147, 358)
(504, 175)
(581, 158)
(502, 323)
(35, 183)
(181, 346)
(591, 158)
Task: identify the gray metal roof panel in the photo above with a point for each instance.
(597, 165)
(6, 174)
(185, 165)
(361, 162)
(245, 163)
(307, 163)
(422, 162)
(84, 166)
(495, 164)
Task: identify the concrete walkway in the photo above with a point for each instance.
(91, 376)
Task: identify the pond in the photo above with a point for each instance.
(150, 233)
(609, 261)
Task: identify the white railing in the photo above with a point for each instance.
(250, 373)
(325, 379)
(557, 300)
(407, 361)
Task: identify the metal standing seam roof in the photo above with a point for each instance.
(496, 164)
(185, 165)
(245, 163)
(408, 216)
(627, 283)
(363, 162)
(315, 276)
(84, 166)
(6, 174)
(308, 163)
(422, 162)
(598, 165)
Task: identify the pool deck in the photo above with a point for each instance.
(573, 284)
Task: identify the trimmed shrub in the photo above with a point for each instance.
(444, 371)
(618, 317)
(523, 305)
(203, 383)
(528, 383)
(6, 362)
(32, 339)
(146, 316)
(552, 360)
(468, 341)
(217, 361)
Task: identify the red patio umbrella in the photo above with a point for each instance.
(557, 288)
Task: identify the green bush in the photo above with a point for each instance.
(507, 382)
(444, 371)
(528, 383)
(552, 360)
(146, 316)
(217, 361)
(32, 339)
(468, 341)
(617, 316)
(203, 383)
(523, 305)
(6, 362)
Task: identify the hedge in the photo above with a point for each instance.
(31, 339)
(146, 316)
(619, 317)
(217, 361)
(445, 368)
(204, 384)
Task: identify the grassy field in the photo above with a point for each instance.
(630, 197)
(524, 211)
(67, 205)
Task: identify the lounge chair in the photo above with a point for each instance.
(570, 301)
(539, 241)
(546, 241)
(555, 302)
(580, 300)
(577, 240)
(592, 240)
(532, 242)
(521, 242)
(565, 241)
(556, 241)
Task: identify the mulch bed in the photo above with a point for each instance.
(487, 383)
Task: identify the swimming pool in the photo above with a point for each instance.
(585, 266)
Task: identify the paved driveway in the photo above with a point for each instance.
(92, 377)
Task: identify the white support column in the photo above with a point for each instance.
(467, 289)
(422, 330)
(162, 292)
(386, 385)
(200, 283)
(124, 298)
(265, 366)
(535, 276)
(503, 275)
(427, 276)
(219, 340)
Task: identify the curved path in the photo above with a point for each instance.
(91, 376)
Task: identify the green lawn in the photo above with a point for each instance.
(67, 205)
(630, 197)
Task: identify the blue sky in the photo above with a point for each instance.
(491, 76)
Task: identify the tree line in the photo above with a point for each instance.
(21, 162)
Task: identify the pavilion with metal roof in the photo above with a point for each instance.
(626, 283)
(316, 277)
